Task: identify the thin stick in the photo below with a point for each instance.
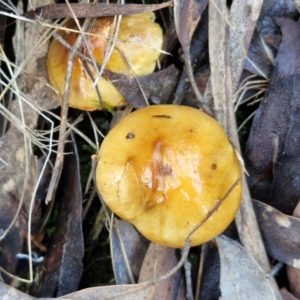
(200, 271)
(63, 123)
(218, 202)
(124, 254)
(188, 280)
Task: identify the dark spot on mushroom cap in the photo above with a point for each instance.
(214, 166)
(130, 136)
(161, 116)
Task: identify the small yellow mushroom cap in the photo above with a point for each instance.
(164, 168)
(136, 46)
(134, 53)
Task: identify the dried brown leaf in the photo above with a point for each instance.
(230, 34)
(32, 39)
(158, 261)
(273, 9)
(281, 233)
(88, 10)
(242, 21)
(210, 280)
(198, 55)
(17, 178)
(126, 292)
(158, 87)
(144, 290)
(241, 276)
(187, 14)
(117, 292)
(128, 249)
(258, 61)
(272, 153)
(61, 271)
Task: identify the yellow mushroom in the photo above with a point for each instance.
(165, 168)
(135, 53)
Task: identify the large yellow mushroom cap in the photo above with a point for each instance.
(134, 53)
(164, 168)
